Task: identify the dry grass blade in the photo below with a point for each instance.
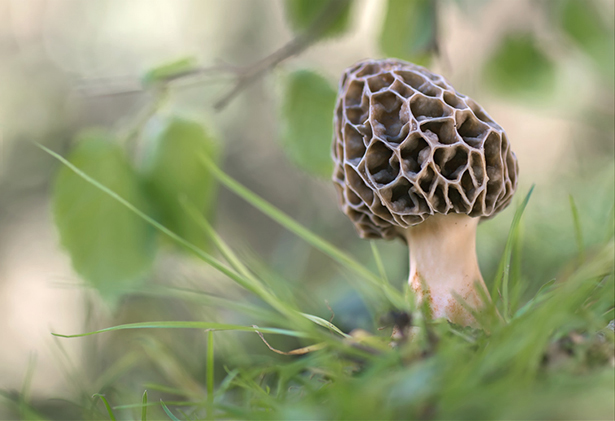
(298, 351)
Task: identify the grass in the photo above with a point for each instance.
(551, 356)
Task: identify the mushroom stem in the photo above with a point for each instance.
(443, 261)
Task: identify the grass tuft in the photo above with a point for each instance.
(546, 356)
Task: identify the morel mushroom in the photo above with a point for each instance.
(416, 160)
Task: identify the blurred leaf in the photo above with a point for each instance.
(409, 31)
(578, 231)
(108, 245)
(166, 363)
(169, 70)
(520, 67)
(302, 14)
(581, 20)
(471, 8)
(541, 295)
(307, 111)
(249, 284)
(172, 169)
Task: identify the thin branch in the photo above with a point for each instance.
(295, 46)
(221, 68)
(244, 76)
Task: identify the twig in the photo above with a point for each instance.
(295, 46)
(111, 87)
(202, 71)
(246, 75)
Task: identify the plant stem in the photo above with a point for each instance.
(442, 262)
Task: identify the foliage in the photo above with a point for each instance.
(277, 355)
(582, 22)
(519, 67)
(166, 71)
(307, 129)
(550, 351)
(409, 30)
(172, 171)
(109, 247)
(302, 14)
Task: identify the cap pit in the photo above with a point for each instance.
(407, 145)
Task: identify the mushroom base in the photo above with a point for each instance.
(443, 265)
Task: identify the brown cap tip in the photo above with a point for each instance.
(407, 145)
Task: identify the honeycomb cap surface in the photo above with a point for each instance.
(407, 145)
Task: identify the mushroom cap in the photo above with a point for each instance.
(407, 145)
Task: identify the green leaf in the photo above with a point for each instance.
(109, 246)
(265, 294)
(170, 70)
(520, 68)
(302, 14)
(172, 170)
(582, 22)
(503, 272)
(307, 123)
(409, 30)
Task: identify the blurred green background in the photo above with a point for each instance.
(85, 79)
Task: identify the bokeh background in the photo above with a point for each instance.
(543, 69)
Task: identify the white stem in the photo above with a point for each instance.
(443, 261)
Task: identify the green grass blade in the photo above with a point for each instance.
(114, 371)
(483, 319)
(163, 389)
(201, 297)
(168, 411)
(109, 410)
(241, 280)
(189, 325)
(238, 265)
(150, 404)
(610, 233)
(287, 222)
(378, 260)
(325, 323)
(504, 267)
(15, 401)
(227, 382)
(256, 286)
(184, 414)
(540, 296)
(210, 374)
(226, 251)
(578, 232)
(27, 383)
(144, 407)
